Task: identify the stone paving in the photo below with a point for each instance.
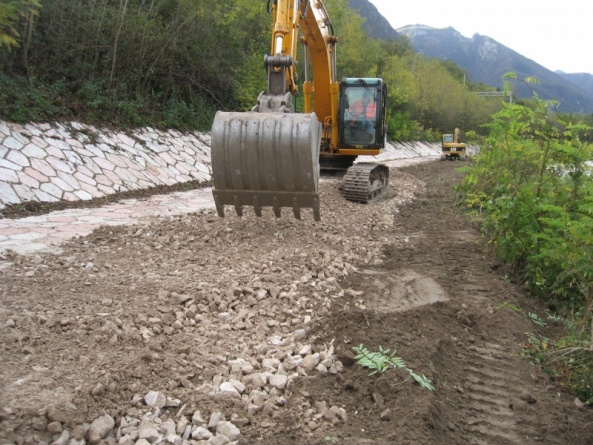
(46, 232)
(53, 162)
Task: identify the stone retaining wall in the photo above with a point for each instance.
(51, 162)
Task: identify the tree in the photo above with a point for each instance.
(10, 13)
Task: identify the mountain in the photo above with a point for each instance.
(485, 60)
(582, 80)
(375, 25)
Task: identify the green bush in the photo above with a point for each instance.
(532, 189)
(183, 116)
(22, 100)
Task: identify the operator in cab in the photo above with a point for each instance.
(362, 116)
(364, 108)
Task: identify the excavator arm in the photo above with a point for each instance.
(269, 156)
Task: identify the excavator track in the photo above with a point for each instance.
(365, 182)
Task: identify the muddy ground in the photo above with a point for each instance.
(255, 318)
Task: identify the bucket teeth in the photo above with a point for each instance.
(266, 160)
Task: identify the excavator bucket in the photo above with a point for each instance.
(266, 160)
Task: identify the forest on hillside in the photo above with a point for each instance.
(174, 63)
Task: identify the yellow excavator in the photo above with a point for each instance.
(452, 148)
(271, 156)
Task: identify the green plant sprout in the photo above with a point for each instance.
(536, 348)
(382, 360)
(536, 320)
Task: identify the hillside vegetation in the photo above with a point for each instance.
(531, 188)
(173, 63)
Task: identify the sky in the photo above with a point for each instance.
(557, 34)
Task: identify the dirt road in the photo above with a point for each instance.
(236, 330)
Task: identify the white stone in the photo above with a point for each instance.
(12, 143)
(100, 428)
(18, 158)
(9, 165)
(58, 143)
(33, 151)
(147, 430)
(197, 418)
(69, 179)
(62, 439)
(240, 387)
(201, 433)
(229, 430)
(24, 193)
(52, 189)
(8, 195)
(173, 439)
(4, 128)
(59, 165)
(270, 363)
(278, 381)
(228, 387)
(215, 417)
(218, 440)
(155, 398)
(256, 380)
(311, 361)
(241, 365)
(7, 175)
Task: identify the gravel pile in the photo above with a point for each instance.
(189, 330)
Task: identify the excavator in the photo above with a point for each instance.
(452, 148)
(271, 156)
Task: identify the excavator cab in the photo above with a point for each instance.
(362, 114)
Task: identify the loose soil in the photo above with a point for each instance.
(171, 304)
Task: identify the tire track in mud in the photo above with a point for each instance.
(493, 399)
(491, 393)
(497, 403)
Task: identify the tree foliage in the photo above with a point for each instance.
(10, 13)
(532, 188)
(175, 62)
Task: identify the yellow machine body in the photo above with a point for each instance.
(452, 148)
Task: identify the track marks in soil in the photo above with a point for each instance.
(485, 392)
(492, 389)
